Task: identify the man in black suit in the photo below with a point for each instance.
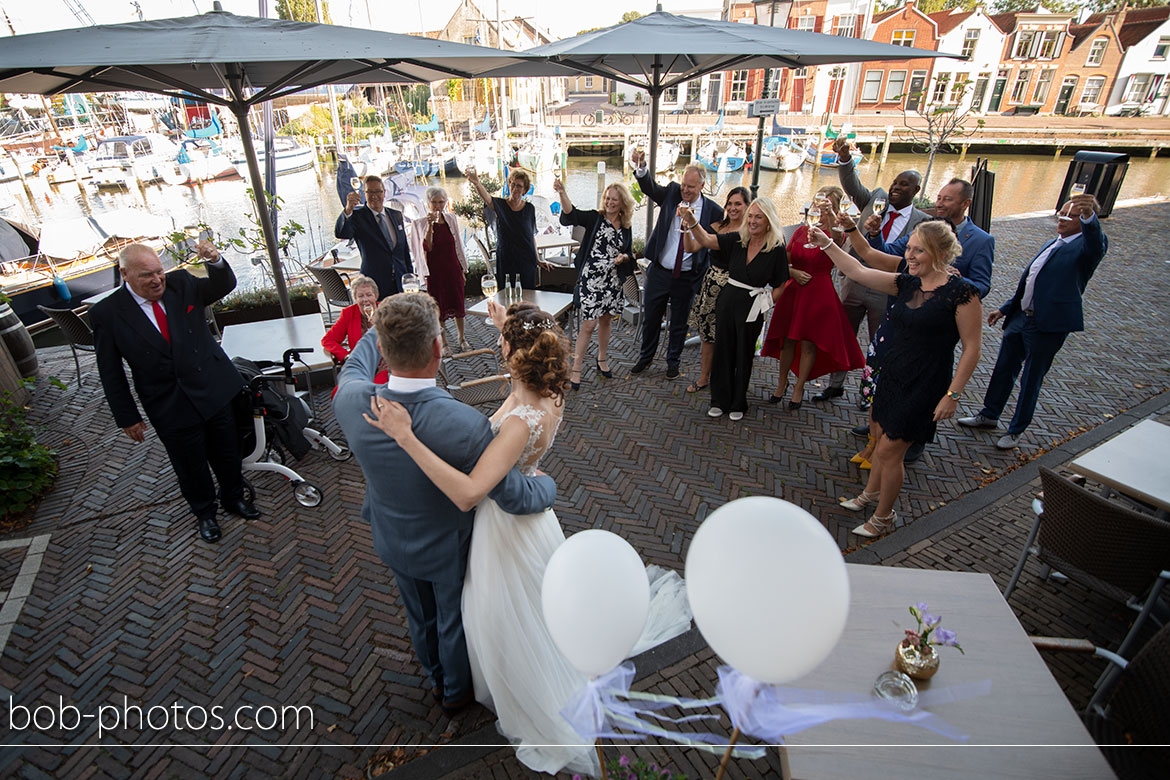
(673, 275)
(380, 237)
(186, 383)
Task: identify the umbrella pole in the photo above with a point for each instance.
(241, 112)
(756, 159)
(655, 91)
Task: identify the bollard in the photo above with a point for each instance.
(886, 143)
(600, 183)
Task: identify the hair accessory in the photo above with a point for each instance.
(542, 324)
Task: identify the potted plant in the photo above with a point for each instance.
(27, 467)
(262, 303)
(915, 655)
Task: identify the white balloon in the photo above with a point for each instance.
(768, 587)
(596, 597)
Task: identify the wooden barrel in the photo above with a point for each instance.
(20, 345)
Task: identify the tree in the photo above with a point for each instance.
(930, 6)
(936, 125)
(302, 11)
(1027, 6)
(630, 16)
(1105, 6)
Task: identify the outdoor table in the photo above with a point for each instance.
(1132, 463)
(348, 265)
(546, 242)
(91, 300)
(268, 340)
(1026, 706)
(554, 303)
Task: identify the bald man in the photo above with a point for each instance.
(183, 379)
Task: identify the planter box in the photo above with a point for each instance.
(266, 312)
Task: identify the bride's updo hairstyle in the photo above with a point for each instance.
(539, 357)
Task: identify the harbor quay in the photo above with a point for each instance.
(287, 637)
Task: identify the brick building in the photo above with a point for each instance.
(891, 86)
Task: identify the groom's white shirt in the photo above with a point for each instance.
(408, 384)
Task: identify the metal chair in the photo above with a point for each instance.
(333, 287)
(632, 292)
(1102, 545)
(465, 375)
(76, 331)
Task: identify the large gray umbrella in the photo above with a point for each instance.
(661, 50)
(233, 61)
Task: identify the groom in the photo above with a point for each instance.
(417, 531)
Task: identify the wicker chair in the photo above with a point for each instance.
(332, 286)
(76, 331)
(632, 292)
(1109, 548)
(474, 377)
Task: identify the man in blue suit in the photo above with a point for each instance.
(380, 237)
(1038, 318)
(673, 275)
(418, 532)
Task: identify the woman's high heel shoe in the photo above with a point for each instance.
(877, 526)
(861, 501)
(794, 405)
(606, 374)
(575, 385)
(861, 457)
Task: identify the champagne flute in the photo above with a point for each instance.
(1077, 188)
(368, 311)
(410, 283)
(812, 217)
(879, 206)
(487, 283)
(356, 184)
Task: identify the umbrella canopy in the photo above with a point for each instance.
(661, 50)
(233, 61)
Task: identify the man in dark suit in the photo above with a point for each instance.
(673, 275)
(380, 236)
(185, 382)
(898, 218)
(1039, 317)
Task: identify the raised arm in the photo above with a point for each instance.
(968, 317)
(464, 490)
(695, 236)
(485, 196)
(876, 258)
(882, 281)
(566, 203)
(847, 174)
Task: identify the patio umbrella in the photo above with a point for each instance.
(661, 50)
(232, 61)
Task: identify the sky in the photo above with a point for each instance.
(563, 17)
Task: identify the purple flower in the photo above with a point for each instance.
(921, 607)
(930, 621)
(623, 761)
(945, 637)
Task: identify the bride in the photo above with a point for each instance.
(517, 669)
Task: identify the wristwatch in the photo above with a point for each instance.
(953, 395)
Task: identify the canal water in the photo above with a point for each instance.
(1023, 183)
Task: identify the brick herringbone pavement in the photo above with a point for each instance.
(295, 609)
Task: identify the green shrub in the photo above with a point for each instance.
(263, 296)
(27, 468)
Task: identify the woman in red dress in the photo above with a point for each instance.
(437, 248)
(809, 328)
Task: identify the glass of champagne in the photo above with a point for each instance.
(356, 184)
(368, 312)
(487, 283)
(879, 206)
(1077, 188)
(812, 217)
(410, 283)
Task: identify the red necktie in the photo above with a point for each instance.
(891, 215)
(161, 318)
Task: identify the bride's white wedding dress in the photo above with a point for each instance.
(517, 669)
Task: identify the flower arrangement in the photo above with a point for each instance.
(928, 632)
(622, 768)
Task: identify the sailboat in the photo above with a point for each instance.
(780, 151)
(718, 153)
(201, 157)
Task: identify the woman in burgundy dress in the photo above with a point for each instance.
(809, 329)
(437, 249)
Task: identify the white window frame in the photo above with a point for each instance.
(670, 94)
(1162, 48)
(739, 80)
(694, 91)
(868, 81)
(843, 30)
(1045, 38)
(891, 81)
(1097, 85)
(1137, 79)
(1097, 52)
(959, 88)
(1022, 46)
(1044, 81)
(970, 41)
(588, 82)
(806, 22)
(1020, 85)
(899, 38)
(772, 85)
(942, 83)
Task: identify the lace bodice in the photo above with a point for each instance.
(539, 439)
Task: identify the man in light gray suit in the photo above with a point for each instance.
(899, 217)
(417, 531)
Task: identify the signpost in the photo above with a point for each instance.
(761, 109)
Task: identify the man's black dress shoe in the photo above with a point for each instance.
(243, 508)
(640, 366)
(861, 430)
(914, 452)
(451, 709)
(672, 372)
(208, 529)
(829, 393)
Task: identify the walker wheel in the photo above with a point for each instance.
(306, 493)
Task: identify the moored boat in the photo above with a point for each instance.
(127, 160)
(290, 157)
(828, 156)
(721, 154)
(777, 154)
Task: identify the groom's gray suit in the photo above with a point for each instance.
(417, 531)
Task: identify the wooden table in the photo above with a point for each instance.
(1026, 705)
(268, 340)
(554, 303)
(1132, 463)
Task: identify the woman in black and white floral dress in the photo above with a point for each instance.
(603, 263)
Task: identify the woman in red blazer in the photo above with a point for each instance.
(353, 323)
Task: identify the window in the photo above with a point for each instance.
(808, 23)
(772, 89)
(1048, 45)
(959, 88)
(871, 88)
(845, 25)
(1023, 47)
(469, 39)
(669, 95)
(969, 40)
(1093, 87)
(1139, 84)
(589, 83)
(940, 88)
(895, 86)
(739, 85)
(903, 38)
(1020, 88)
(1161, 49)
(1097, 52)
(1043, 84)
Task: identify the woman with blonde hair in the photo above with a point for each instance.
(809, 328)
(604, 261)
(437, 248)
(756, 259)
(932, 311)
